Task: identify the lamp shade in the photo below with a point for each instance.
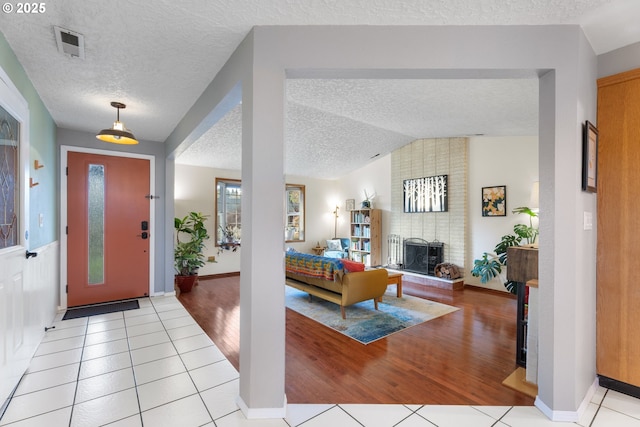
(534, 202)
(118, 134)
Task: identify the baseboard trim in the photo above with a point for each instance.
(163, 294)
(505, 294)
(620, 386)
(219, 275)
(262, 413)
(568, 416)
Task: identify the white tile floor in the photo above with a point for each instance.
(155, 367)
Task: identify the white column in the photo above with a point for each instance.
(262, 311)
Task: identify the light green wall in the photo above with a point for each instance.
(42, 130)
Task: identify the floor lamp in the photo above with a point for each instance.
(335, 223)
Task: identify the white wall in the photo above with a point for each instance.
(375, 177)
(510, 161)
(321, 198)
(195, 191)
(619, 60)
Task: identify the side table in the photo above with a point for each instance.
(395, 279)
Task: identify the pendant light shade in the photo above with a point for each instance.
(118, 134)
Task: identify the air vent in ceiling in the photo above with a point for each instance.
(69, 42)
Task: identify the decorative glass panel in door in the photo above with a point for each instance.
(95, 220)
(9, 179)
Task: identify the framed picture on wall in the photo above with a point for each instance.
(494, 200)
(590, 158)
(350, 204)
(427, 194)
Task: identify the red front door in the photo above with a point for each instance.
(108, 216)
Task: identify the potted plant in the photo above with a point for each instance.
(490, 265)
(188, 257)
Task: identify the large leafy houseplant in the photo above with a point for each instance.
(490, 265)
(190, 236)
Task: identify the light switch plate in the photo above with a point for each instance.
(588, 221)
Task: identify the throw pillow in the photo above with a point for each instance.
(350, 266)
(334, 245)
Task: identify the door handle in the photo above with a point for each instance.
(31, 254)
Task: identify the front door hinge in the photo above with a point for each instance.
(67, 289)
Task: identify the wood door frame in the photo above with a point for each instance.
(64, 151)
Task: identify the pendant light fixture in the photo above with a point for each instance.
(118, 134)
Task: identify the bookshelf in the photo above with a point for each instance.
(365, 233)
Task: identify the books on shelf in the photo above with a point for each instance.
(361, 231)
(365, 229)
(361, 245)
(360, 217)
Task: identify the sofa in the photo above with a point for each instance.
(340, 281)
(337, 248)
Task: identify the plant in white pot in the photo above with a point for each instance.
(188, 253)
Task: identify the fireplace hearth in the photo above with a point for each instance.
(421, 256)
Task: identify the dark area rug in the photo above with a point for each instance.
(94, 310)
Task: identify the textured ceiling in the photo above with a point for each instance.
(369, 117)
(158, 57)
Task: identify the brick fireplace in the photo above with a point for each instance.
(431, 157)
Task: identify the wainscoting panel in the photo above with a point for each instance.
(28, 303)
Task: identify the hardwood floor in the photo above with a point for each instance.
(458, 359)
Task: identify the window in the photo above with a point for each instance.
(228, 211)
(294, 211)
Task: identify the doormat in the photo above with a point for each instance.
(94, 310)
(363, 322)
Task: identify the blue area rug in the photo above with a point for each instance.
(363, 322)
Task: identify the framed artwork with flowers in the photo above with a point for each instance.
(494, 201)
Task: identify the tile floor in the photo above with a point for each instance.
(155, 367)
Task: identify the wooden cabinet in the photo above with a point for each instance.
(366, 236)
(618, 256)
(523, 267)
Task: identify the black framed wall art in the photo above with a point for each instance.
(428, 194)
